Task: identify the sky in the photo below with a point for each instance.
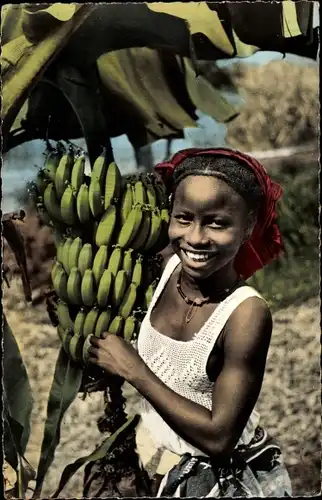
(20, 165)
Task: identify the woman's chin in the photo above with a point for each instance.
(198, 270)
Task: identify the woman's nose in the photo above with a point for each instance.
(196, 236)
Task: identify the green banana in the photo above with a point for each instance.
(104, 288)
(63, 315)
(79, 322)
(142, 236)
(116, 325)
(126, 203)
(119, 288)
(165, 216)
(56, 266)
(85, 258)
(106, 227)
(131, 227)
(51, 202)
(115, 260)
(137, 271)
(68, 206)
(128, 301)
(74, 286)
(82, 204)
(129, 328)
(155, 230)
(99, 171)
(163, 238)
(60, 284)
(78, 173)
(103, 322)
(150, 193)
(51, 164)
(113, 183)
(74, 251)
(64, 171)
(139, 193)
(127, 264)
(75, 347)
(88, 288)
(100, 262)
(65, 253)
(95, 198)
(90, 322)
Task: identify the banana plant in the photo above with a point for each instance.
(17, 394)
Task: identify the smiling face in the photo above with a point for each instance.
(209, 221)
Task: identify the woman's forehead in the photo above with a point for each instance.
(206, 190)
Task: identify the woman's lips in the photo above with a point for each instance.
(199, 257)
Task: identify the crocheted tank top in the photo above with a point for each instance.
(181, 365)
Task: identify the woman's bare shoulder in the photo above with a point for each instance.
(249, 328)
(166, 255)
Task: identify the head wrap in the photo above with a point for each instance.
(265, 242)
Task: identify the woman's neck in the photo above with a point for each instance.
(216, 282)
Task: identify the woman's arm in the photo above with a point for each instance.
(235, 392)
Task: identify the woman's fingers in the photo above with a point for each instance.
(93, 351)
(93, 360)
(94, 340)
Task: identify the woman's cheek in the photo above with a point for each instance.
(224, 239)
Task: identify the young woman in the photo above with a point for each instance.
(203, 344)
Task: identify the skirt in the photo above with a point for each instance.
(255, 470)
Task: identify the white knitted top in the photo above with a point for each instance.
(181, 365)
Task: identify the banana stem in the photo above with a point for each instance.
(114, 412)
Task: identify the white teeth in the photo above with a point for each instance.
(198, 256)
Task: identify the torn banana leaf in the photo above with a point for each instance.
(17, 403)
(65, 386)
(97, 454)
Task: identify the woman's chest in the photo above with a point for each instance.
(195, 361)
(174, 318)
(180, 365)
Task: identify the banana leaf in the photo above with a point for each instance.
(18, 400)
(18, 404)
(65, 386)
(37, 38)
(97, 454)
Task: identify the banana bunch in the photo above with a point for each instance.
(71, 197)
(106, 268)
(98, 292)
(144, 215)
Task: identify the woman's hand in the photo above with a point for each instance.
(115, 355)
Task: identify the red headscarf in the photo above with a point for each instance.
(265, 243)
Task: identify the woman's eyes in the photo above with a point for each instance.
(213, 223)
(219, 223)
(183, 219)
